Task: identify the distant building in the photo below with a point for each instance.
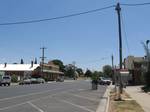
(20, 70)
(50, 71)
(134, 65)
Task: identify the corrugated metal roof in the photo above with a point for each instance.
(18, 67)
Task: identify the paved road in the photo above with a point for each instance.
(75, 96)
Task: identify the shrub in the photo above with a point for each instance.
(147, 78)
(14, 78)
(46, 79)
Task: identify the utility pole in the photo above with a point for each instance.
(118, 9)
(74, 65)
(114, 71)
(42, 58)
(112, 60)
(148, 58)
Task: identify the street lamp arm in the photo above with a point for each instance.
(147, 42)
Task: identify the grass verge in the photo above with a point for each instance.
(126, 105)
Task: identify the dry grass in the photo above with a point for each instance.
(126, 105)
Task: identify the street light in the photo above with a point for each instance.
(148, 55)
(147, 42)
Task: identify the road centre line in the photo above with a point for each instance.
(13, 106)
(91, 99)
(28, 102)
(29, 94)
(50, 96)
(36, 107)
(78, 106)
(8, 107)
(35, 93)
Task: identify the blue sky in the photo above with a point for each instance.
(89, 40)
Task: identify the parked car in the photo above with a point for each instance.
(104, 81)
(40, 80)
(32, 81)
(25, 81)
(5, 80)
(60, 79)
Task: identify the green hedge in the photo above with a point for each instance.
(14, 78)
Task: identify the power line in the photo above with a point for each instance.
(95, 61)
(125, 34)
(55, 18)
(137, 4)
(70, 15)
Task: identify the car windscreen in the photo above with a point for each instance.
(6, 77)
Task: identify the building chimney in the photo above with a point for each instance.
(5, 64)
(31, 64)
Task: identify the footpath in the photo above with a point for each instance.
(141, 97)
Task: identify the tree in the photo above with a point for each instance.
(147, 73)
(98, 73)
(60, 64)
(14, 78)
(88, 73)
(35, 61)
(107, 70)
(21, 62)
(80, 71)
(69, 71)
(95, 75)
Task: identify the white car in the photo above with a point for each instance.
(40, 80)
(104, 81)
(25, 81)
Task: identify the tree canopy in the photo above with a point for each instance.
(88, 73)
(69, 71)
(21, 62)
(59, 63)
(80, 71)
(35, 61)
(147, 73)
(107, 71)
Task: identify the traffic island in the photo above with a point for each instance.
(127, 104)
